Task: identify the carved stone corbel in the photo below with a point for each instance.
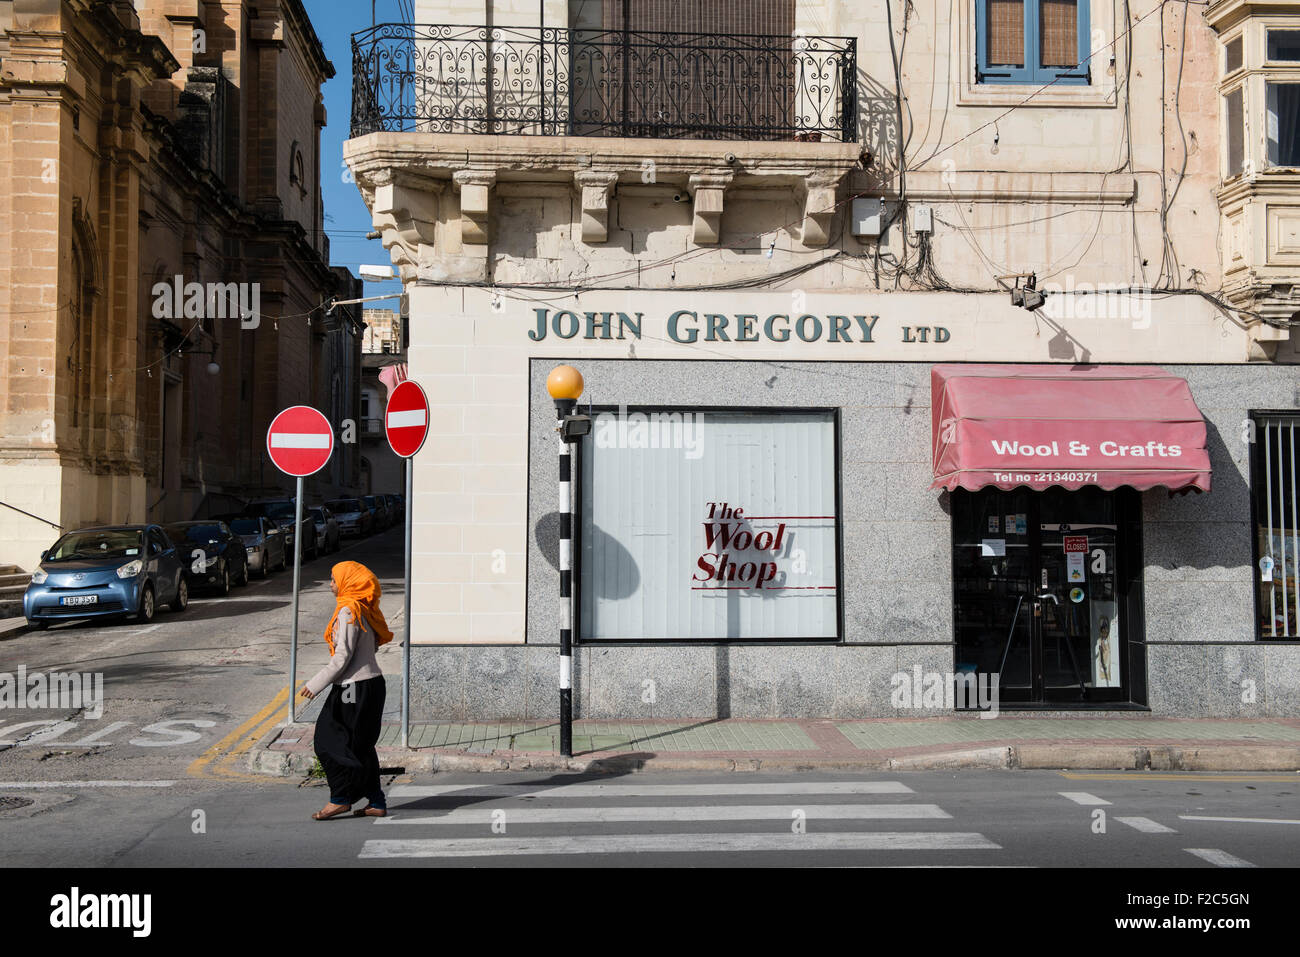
(475, 187)
(818, 207)
(596, 187)
(707, 190)
(405, 213)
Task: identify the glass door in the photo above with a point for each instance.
(1041, 593)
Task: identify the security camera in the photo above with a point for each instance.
(678, 198)
(730, 158)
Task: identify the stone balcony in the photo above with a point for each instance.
(446, 117)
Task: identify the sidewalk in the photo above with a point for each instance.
(882, 744)
(12, 627)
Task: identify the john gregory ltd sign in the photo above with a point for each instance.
(687, 326)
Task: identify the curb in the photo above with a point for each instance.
(1003, 758)
(13, 631)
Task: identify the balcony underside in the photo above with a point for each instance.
(414, 181)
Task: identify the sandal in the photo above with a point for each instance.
(371, 812)
(324, 814)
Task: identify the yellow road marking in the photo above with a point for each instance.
(216, 761)
(1183, 776)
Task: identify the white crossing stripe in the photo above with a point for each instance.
(588, 815)
(1083, 797)
(299, 440)
(505, 845)
(406, 417)
(24, 785)
(1212, 854)
(1146, 825)
(647, 790)
(1240, 820)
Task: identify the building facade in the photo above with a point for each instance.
(164, 265)
(921, 353)
(383, 365)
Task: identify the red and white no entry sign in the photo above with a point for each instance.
(300, 441)
(406, 419)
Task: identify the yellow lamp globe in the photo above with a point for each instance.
(564, 382)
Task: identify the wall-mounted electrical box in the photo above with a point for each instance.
(866, 215)
(921, 219)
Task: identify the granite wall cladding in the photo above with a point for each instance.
(897, 570)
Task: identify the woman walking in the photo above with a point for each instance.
(348, 726)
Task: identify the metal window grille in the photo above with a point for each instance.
(1277, 525)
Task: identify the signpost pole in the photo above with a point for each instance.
(299, 442)
(406, 619)
(565, 386)
(566, 592)
(406, 423)
(297, 569)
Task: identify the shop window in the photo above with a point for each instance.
(709, 526)
(1032, 41)
(1283, 124)
(1277, 524)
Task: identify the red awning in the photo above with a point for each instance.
(1043, 425)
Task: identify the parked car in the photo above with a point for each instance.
(281, 511)
(352, 516)
(110, 571)
(263, 541)
(213, 555)
(327, 529)
(378, 514)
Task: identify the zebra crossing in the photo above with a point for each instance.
(522, 820)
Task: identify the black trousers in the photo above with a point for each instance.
(346, 733)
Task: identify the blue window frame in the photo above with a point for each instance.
(1030, 69)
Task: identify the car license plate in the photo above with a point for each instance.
(80, 600)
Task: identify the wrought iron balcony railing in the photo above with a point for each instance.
(551, 82)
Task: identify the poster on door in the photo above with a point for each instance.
(1105, 643)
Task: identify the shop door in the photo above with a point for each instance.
(1042, 592)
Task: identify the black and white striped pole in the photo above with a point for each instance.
(565, 385)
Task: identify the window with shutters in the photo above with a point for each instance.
(1032, 41)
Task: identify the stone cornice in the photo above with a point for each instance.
(559, 157)
(1224, 14)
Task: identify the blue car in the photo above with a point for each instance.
(102, 572)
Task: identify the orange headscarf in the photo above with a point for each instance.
(358, 590)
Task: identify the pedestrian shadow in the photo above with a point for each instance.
(598, 772)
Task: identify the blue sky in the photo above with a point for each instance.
(346, 218)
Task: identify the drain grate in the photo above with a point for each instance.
(13, 803)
